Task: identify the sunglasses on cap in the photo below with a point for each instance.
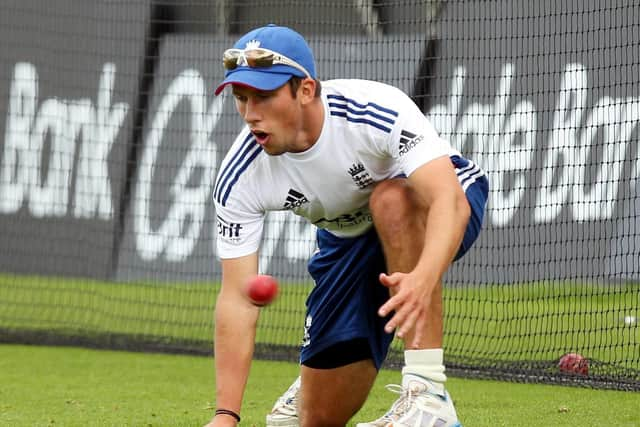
(257, 58)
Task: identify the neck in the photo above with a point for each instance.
(313, 121)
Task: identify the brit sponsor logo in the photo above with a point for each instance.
(295, 199)
(360, 175)
(408, 140)
(228, 230)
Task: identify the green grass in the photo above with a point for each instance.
(65, 386)
(524, 322)
(541, 319)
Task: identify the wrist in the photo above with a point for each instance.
(227, 413)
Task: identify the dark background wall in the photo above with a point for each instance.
(70, 74)
(112, 138)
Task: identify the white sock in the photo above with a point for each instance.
(427, 363)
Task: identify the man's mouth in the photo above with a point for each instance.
(261, 137)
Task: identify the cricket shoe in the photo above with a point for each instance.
(422, 403)
(285, 410)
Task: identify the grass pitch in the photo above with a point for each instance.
(66, 386)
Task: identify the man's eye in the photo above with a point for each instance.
(240, 98)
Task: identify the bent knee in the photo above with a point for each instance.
(393, 200)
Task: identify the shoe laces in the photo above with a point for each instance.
(287, 404)
(401, 405)
(408, 395)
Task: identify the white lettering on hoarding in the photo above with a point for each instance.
(93, 188)
(179, 232)
(504, 143)
(45, 188)
(49, 187)
(17, 160)
(561, 146)
(506, 136)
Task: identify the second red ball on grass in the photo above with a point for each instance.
(574, 363)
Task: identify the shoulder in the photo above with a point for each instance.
(369, 90)
(368, 93)
(242, 165)
(244, 151)
(366, 102)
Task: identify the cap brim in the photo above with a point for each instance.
(255, 79)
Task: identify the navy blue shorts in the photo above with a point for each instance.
(476, 187)
(344, 302)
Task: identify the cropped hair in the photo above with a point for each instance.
(295, 82)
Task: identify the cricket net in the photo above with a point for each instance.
(111, 139)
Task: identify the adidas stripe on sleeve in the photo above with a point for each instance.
(239, 219)
(370, 113)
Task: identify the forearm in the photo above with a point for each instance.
(446, 215)
(445, 225)
(234, 343)
(443, 236)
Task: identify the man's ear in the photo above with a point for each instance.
(307, 90)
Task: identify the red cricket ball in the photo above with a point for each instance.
(262, 289)
(574, 363)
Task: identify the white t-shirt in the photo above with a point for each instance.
(371, 132)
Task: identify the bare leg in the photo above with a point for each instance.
(400, 217)
(330, 397)
(394, 205)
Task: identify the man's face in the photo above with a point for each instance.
(274, 117)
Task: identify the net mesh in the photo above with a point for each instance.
(112, 138)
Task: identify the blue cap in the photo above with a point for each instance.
(282, 40)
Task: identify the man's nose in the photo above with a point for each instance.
(251, 112)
